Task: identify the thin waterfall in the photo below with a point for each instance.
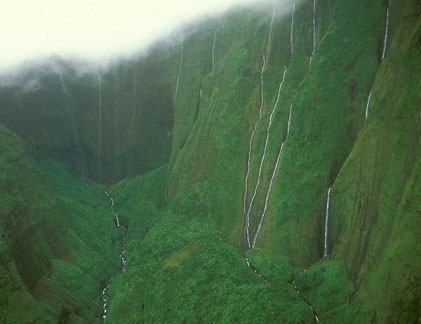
(178, 75)
(134, 106)
(326, 247)
(264, 150)
(289, 120)
(245, 210)
(69, 110)
(386, 33)
(368, 104)
(291, 36)
(213, 51)
(116, 128)
(256, 235)
(100, 123)
(314, 33)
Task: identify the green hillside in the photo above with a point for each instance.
(219, 149)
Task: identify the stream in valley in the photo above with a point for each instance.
(105, 297)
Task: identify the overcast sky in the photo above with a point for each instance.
(93, 29)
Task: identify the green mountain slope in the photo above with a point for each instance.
(226, 140)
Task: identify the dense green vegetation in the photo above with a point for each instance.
(175, 159)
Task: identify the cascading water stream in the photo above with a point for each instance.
(264, 152)
(245, 210)
(297, 291)
(69, 110)
(246, 259)
(386, 33)
(134, 106)
(291, 36)
(100, 123)
(116, 132)
(325, 254)
(178, 75)
(368, 104)
(213, 51)
(256, 235)
(105, 299)
(326, 247)
(123, 259)
(314, 33)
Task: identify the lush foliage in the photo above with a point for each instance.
(174, 145)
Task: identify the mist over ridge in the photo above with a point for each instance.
(98, 32)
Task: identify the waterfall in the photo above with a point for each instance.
(245, 210)
(178, 76)
(314, 32)
(116, 128)
(69, 110)
(386, 33)
(213, 51)
(368, 104)
(264, 150)
(105, 299)
(326, 247)
(100, 124)
(256, 235)
(134, 106)
(289, 121)
(291, 37)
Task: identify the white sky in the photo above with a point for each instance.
(92, 29)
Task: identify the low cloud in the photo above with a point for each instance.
(96, 30)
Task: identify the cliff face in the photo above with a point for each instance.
(244, 127)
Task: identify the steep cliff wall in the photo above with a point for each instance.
(244, 126)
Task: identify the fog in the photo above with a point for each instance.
(94, 30)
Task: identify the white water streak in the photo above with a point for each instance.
(105, 299)
(386, 33)
(314, 33)
(100, 123)
(289, 121)
(245, 211)
(116, 128)
(68, 108)
(367, 107)
(271, 181)
(178, 75)
(326, 247)
(134, 106)
(267, 196)
(118, 225)
(213, 51)
(265, 148)
(291, 37)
